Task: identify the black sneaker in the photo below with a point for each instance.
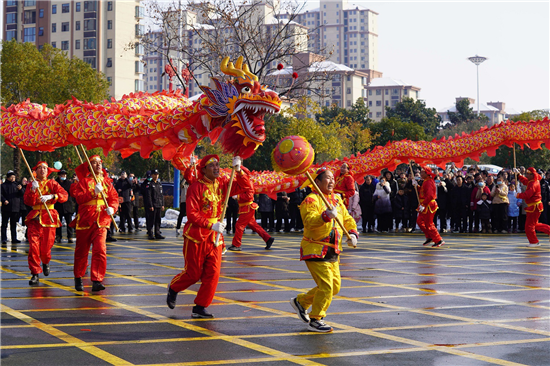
(97, 286)
(428, 241)
(200, 312)
(16, 241)
(150, 237)
(46, 269)
(34, 280)
(438, 244)
(234, 248)
(78, 286)
(159, 237)
(318, 325)
(302, 314)
(70, 240)
(58, 240)
(171, 298)
(269, 243)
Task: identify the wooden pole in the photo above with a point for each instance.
(34, 179)
(97, 181)
(415, 187)
(326, 203)
(224, 209)
(78, 153)
(516, 174)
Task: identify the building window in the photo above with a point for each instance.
(90, 61)
(54, 9)
(386, 91)
(54, 27)
(65, 8)
(30, 3)
(54, 44)
(89, 44)
(378, 91)
(109, 43)
(90, 6)
(406, 91)
(11, 3)
(11, 18)
(110, 79)
(370, 114)
(11, 34)
(348, 91)
(387, 103)
(378, 103)
(65, 45)
(109, 62)
(378, 114)
(370, 92)
(370, 103)
(109, 5)
(89, 24)
(77, 7)
(29, 17)
(41, 13)
(77, 44)
(109, 24)
(41, 31)
(65, 27)
(77, 25)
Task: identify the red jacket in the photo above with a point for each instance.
(532, 195)
(345, 185)
(204, 204)
(246, 198)
(32, 198)
(427, 194)
(91, 207)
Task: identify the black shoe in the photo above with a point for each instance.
(34, 280)
(97, 286)
(130, 231)
(78, 286)
(70, 240)
(58, 240)
(122, 231)
(150, 237)
(200, 312)
(234, 248)
(159, 237)
(4, 242)
(438, 244)
(302, 313)
(16, 241)
(138, 229)
(111, 239)
(269, 243)
(428, 241)
(46, 269)
(171, 298)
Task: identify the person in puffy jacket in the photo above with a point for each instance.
(513, 209)
(382, 205)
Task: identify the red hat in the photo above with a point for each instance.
(205, 161)
(428, 170)
(96, 157)
(50, 170)
(534, 172)
(314, 176)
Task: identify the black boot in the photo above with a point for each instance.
(97, 286)
(171, 298)
(200, 312)
(46, 269)
(78, 284)
(34, 280)
(269, 243)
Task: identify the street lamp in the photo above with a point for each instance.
(477, 60)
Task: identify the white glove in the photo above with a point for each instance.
(421, 208)
(443, 184)
(237, 161)
(110, 211)
(352, 242)
(332, 213)
(98, 188)
(414, 182)
(46, 197)
(219, 226)
(35, 185)
(516, 171)
(193, 160)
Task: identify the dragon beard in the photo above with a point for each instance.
(235, 140)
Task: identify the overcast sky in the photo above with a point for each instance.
(427, 44)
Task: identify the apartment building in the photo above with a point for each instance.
(387, 92)
(98, 32)
(496, 112)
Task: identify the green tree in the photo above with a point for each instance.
(46, 77)
(465, 114)
(393, 129)
(357, 113)
(415, 111)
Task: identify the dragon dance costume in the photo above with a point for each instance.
(425, 220)
(533, 199)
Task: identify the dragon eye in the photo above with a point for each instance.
(245, 90)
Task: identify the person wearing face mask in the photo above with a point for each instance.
(65, 209)
(500, 203)
(478, 189)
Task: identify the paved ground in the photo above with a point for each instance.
(480, 300)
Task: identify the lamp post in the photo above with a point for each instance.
(477, 60)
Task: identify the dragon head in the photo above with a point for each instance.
(240, 106)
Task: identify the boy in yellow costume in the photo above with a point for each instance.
(320, 249)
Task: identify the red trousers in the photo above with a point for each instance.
(425, 222)
(532, 225)
(94, 237)
(202, 262)
(244, 220)
(41, 240)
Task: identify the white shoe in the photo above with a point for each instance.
(533, 245)
(178, 232)
(224, 250)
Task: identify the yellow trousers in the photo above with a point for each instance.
(327, 277)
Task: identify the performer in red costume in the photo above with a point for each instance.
(202, 257)
(533, 199)
(345, 184)
(40, 229)
(427, 207)
(247, 211)
(92, 222)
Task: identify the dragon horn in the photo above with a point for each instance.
(239, 70)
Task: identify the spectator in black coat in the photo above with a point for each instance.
(484, 213)
(400, 207)
(231, 214)
(296, 198)
(411, 193)
(281, 211)
(545, 198)
(123, 187)
(265, 207)
(442, 200)
(153, 200)
(136, 189)
(12, 195)
(66, 209)
(366, 191)
(459, 199)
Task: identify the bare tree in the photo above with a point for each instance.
(266, 33)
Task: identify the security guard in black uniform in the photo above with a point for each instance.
(153, 201)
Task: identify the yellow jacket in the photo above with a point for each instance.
(317, 226)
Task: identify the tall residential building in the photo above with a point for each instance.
(387, 92)
(98, 32)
